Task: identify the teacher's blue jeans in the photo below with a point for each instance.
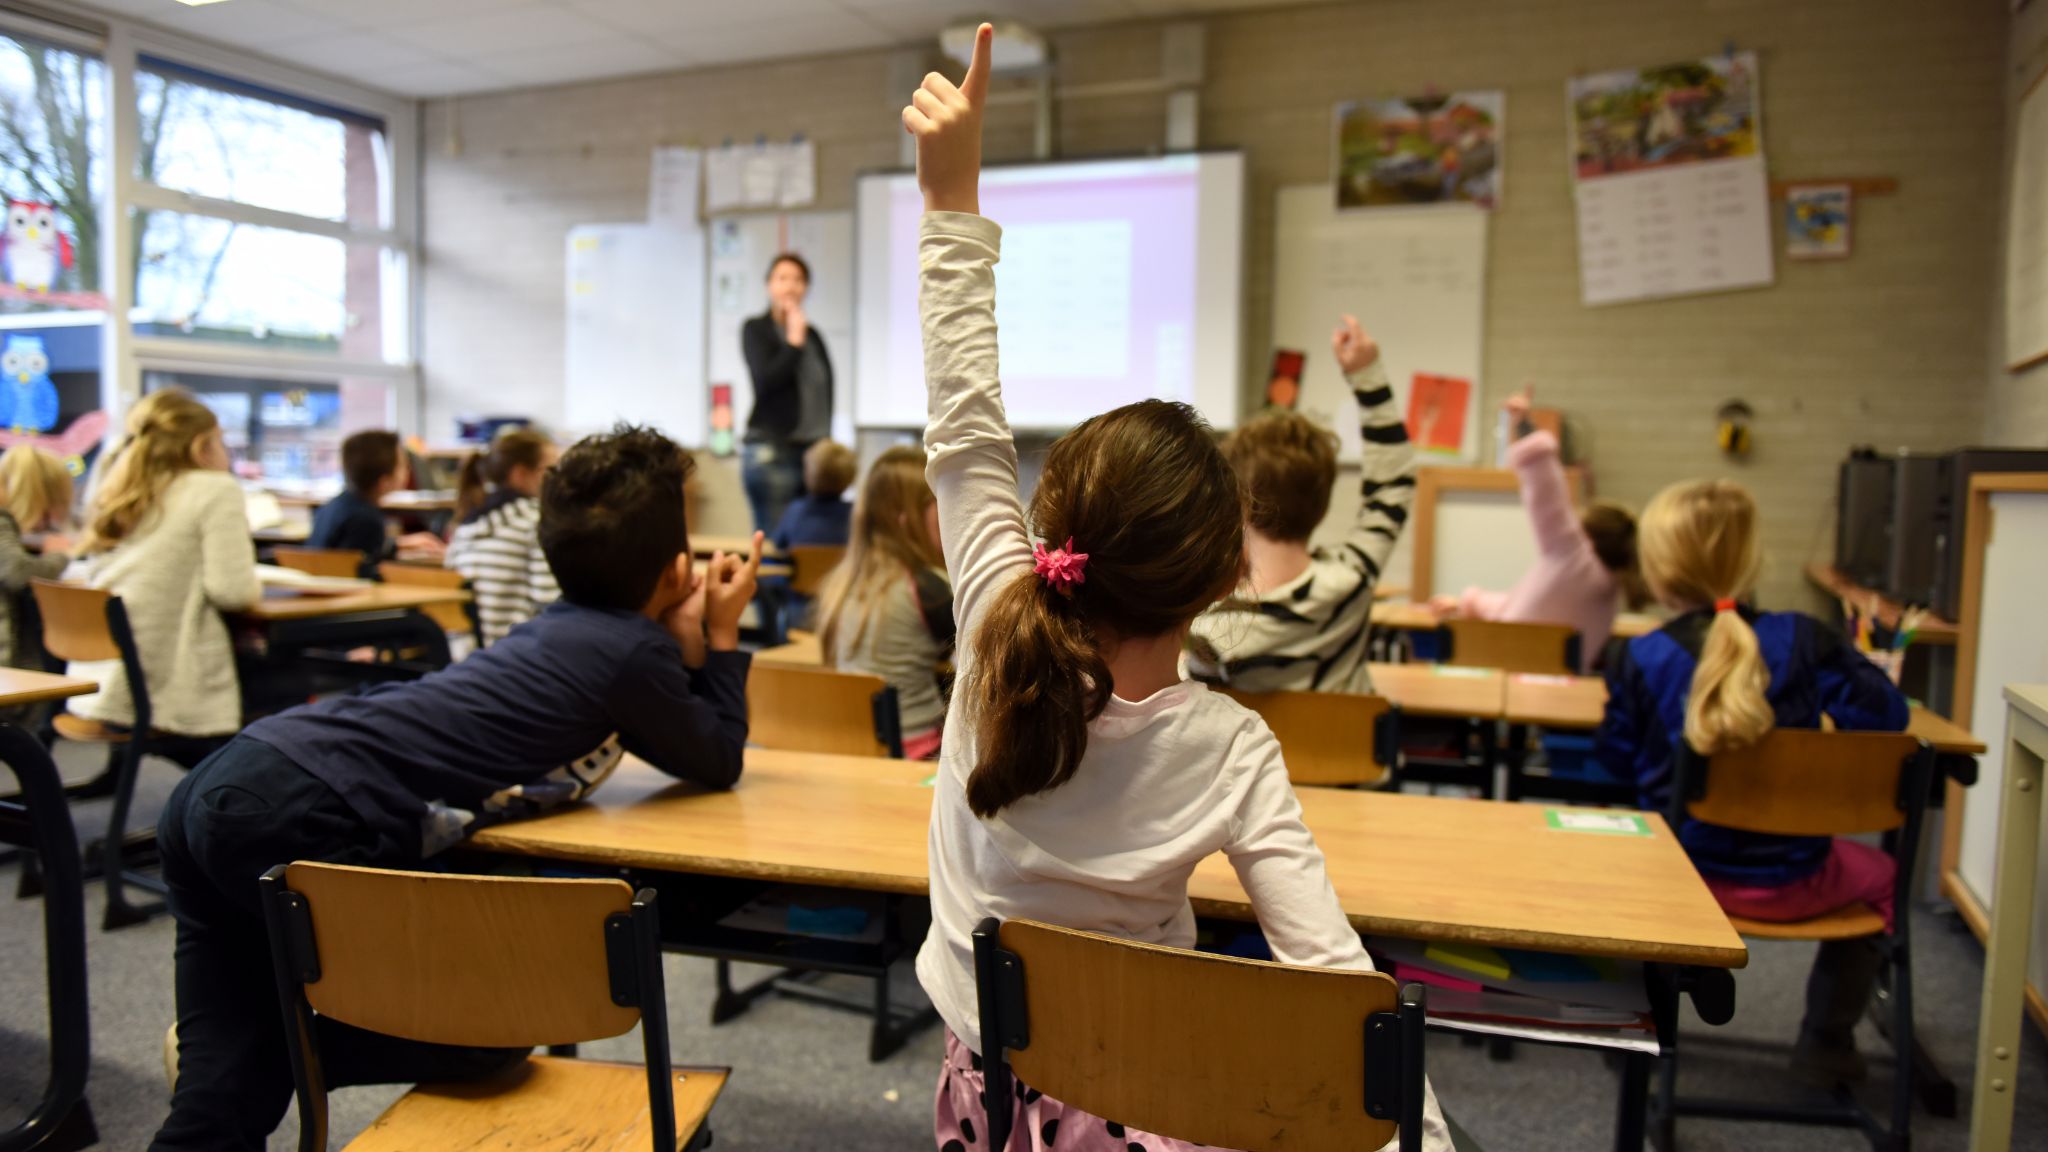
(773, 472)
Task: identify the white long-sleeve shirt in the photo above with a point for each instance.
(1166, 780)
(188, 562)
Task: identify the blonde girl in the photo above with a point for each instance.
(168, 534)
(887, 609)
(1719, 676)
(1081, 778)
(496, 545)
(35, 497)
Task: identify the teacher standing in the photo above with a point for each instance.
(792, 392)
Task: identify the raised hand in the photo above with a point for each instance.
(795, 324)
(947, 123)
(1518, 405)
(1354, 349)
(729, 583)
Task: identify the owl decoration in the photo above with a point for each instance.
(36, 252)
(28, 397)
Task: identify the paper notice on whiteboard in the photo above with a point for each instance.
(799, 174)
(722, 183)
(672, 186)
(761, 176)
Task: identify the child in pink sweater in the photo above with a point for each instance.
(1585, 563)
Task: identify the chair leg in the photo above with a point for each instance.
(1905, 1047)
(120, 913)
(1664, 1113)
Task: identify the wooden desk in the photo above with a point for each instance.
(375, 598)
(2012, 912)
(20, 686)
(1829, 579)
(706, 544)
(289, 532)
(425, 500)
(1418, 867)
(1408, 616)
(1438, 690)
(803, 649)
(1579, 701)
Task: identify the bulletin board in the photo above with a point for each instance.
(1416, 280)
(2026, 233)
(741, 247)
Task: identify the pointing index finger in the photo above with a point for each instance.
(975, 86)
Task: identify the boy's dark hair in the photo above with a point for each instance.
(1287, 464)
(781, 258)
(611, 516)
(368, 457)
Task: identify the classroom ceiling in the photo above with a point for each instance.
(426, 48)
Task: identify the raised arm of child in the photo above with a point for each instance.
(1538, 462)
(971, 457)
(1387, 459)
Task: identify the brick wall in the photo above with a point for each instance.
(2016, 405)
(1886, 348)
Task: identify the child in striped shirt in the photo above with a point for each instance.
(497, 545)
(1299, 622)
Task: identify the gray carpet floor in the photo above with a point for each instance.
(802, 1079)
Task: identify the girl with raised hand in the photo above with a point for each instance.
(1081, 778)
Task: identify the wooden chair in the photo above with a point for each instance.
(460, 617)
(1538, 649)
(1204, 1048)
(91, 624)
(822, 710)
(1805, 782)
(486, 962)
(1332, 738)
(342, 562)
(810, 564)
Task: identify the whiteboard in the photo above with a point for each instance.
(1482, 540)
(2026, 234)
(741, 247)
(634, 345)
(2012, 648)
(1414, 277)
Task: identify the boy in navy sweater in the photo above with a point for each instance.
(640, 655)
(373, 466)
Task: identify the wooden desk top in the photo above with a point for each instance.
(803, 649)
(705, 544)
(1578, 701)
(1419, 867)
(376, 598)
(1408, 616)
(289, 532)
(1829, 579)
(1440, 690)
(20, 686)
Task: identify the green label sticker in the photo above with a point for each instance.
(1603, 823)
(1469, 673)
(930, 781)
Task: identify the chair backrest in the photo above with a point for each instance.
(1329, 737)
(822, 710)
(1541, 649)
(810, 564)
(75, 620)
(452, 617)
(437, 957)
(484, 961)
(1226, 1052)
(320, 561)
(1806, 782)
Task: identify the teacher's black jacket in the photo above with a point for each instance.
(772, 360)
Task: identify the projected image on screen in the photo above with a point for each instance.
(1118, 282)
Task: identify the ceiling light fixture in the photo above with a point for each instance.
(199, 3)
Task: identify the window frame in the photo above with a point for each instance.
(125, 356)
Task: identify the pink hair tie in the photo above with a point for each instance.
(1061, 568)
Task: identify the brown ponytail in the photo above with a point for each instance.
(1611, 529)
(511, 448)
(1699, 548)
(1144, 491)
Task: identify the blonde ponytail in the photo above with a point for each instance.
(1698, 547)
(1726, 708)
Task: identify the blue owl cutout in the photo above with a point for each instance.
(28, 397)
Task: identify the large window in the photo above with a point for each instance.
(249, 227)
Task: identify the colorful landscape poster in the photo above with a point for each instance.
(1673, 114)
(1420, 150)
(1817, 222)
